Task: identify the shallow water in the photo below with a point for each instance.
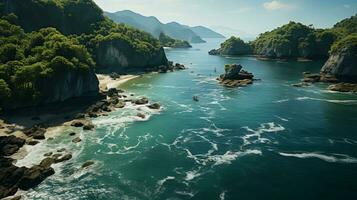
(266, 141)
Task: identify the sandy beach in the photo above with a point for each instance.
(106, 82)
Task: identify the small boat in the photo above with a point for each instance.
(195, 98)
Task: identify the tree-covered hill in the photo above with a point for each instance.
(51, 48)
(42, 66)
(85, 20)
(293, 40)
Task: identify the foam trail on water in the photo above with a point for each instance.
(337, 101)
(230, 156)
(337, 158)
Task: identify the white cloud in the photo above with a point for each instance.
(276, 5)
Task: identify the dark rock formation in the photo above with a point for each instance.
(343, 87)
(10, 145)
(12, 177)
(76, 140)
(235, 77)
(342, 65)
(35, 175)
(141, 101)
(87, 164)
(118, 56)
(70, 85)
(154, 106)
(36, 132)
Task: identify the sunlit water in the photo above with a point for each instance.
(266, 141)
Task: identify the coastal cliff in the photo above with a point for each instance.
(69, 85)
(342, 63)
(118, 56)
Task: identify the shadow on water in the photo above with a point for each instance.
(50, 114)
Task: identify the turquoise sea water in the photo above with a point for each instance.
(266, 141)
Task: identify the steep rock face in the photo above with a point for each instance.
(69, 85)
(343, 66)
(342, 63)
(119, 56)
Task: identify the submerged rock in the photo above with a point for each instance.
(60, 158)
(76, 140)
(311, 78)
(154, 106)
(141, 115)
(141, 101)
(120, 104)
(195, 98)
(87, 164)
(88, 126)
(343, 87)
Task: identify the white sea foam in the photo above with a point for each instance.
(161, 182)
(256, 136)
(334, 158)
(282, 119)
(336, 101)
(190, 175)
(230, 156)
(281, 101)
(222, 196)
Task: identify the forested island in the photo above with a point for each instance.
(298, 41)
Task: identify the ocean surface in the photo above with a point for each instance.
(265, 141)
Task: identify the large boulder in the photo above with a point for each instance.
(10, 145)
(34, 176)
(36, 132)
(235, 77)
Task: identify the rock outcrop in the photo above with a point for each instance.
(235, 77)
(69, 85)
(118, 56)
(12, 177)
(342, 65)
(340, 69)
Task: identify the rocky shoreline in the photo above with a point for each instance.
(15, 137)
(334, 83)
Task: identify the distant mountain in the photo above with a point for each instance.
(204, 32)
(155, 27)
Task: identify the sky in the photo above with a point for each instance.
(239, 17)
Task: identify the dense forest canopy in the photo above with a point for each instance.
(294, 40)
(41, 39)
(167, 41)
(29, 59)
(235, 46)
(82, 18)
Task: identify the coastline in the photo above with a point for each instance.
(57, 124)
(17, 129)
(106, 82)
